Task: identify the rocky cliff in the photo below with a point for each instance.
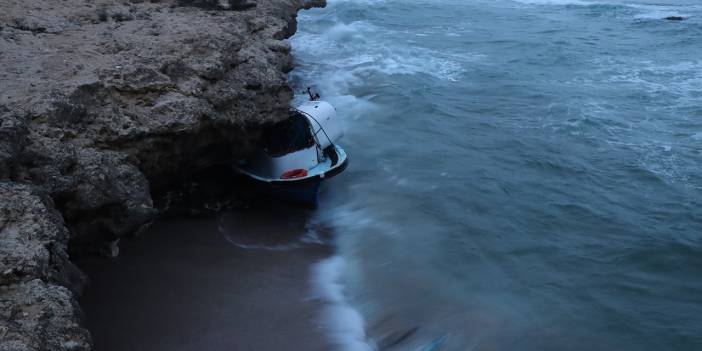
(103, 106)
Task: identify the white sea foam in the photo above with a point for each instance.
(681, 80)
(358, 49)
(343, 323)
(664, 164)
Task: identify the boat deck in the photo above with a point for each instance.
(328, 165)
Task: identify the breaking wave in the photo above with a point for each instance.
(343, 323)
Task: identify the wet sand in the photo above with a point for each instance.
(184, 286)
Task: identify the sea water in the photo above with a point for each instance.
(525, 175)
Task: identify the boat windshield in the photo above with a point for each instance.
(290, 135)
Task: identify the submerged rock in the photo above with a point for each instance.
(104, 106)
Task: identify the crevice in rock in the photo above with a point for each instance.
(227, 5)
(37, 30)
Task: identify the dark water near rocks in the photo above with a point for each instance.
(525, 175)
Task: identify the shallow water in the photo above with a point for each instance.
(235, 281)
(524, 174)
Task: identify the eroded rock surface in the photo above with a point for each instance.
(37, 310)
(104, 104)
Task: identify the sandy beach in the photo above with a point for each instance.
(184, 285)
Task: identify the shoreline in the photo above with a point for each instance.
(197, 291)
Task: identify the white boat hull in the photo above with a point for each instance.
(298, 153)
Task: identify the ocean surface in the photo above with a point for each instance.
(525, 175)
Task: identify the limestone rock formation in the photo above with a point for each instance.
(104, 104)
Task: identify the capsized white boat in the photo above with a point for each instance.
(297, 154)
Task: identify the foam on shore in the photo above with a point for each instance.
(344, 324)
